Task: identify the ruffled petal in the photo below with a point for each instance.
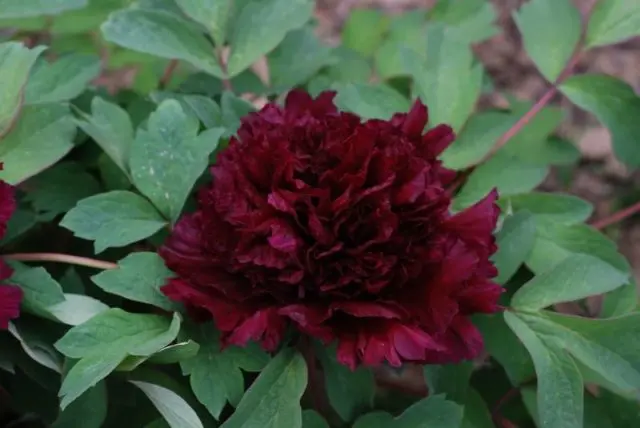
(339, 228)
(265, 326)
(384, 341)
(7, 206)
(437, 139)
(416, 120)
(5, 270)
(480, 296)
(10, 298)
(476, 223)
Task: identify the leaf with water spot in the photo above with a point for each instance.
(168, 156)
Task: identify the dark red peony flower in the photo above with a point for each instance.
(10, 296)
(341, 229)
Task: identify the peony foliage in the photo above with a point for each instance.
(211, 217)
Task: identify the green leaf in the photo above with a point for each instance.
(556, 242)
(15, 62)
(159, 344)
(473, 19)
(370, 101)
(213, 14)
(576, 277)
(560, 389)
(40, 290)
(165, 5)
(554, 208)
(139, 277)
(89, 411)
(21, 222)
(22, 9)
(364, 30)
(175, 410)
(215, 374)
(161, 34)
(79, 22)
(375, 420)
(433, 411)
(515, 241)
(38, 349)
(615, 104)
(300, 55)
(548, 151)
(62, 80)
(110, 127)
(348, 67)
(86, 374)
(350, 392)
(76, 309)
(621, 301)
(202, 107)
(113, 219)
(175, 353)
(59, 188)
(158, 423)
(405, 42)
(609, 348)
(36, 375)
(595, 414)
(112, 177)
(130, 363)
(533, 143)
(169, 156)
(476, 414)
(312, 419)
(42, 136)
(118, 331)
(448, 82)
(273, 400)
(504, 172)
(260, 26)
(550, 32)
(452, 380)
(613, 21)
(623, 412)
(592, 377)
(502, 344)
(477, 138)
(529, 396)
(233, 109)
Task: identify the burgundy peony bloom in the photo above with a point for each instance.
(10, 296)
(341, 229)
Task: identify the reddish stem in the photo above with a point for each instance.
(405, 389)
(507, 397)
(617, 216)
(61, 258)
(226, 82)
(168, 73)
(14, 118)
(547, 96)
(537, 107)
(512, 393)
